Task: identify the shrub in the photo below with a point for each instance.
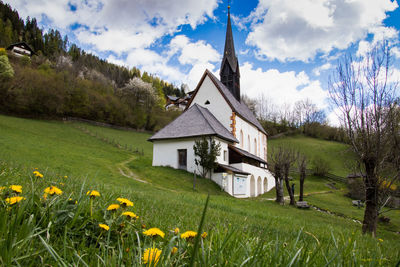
(6, 70)
(320, 166)
(3, 51)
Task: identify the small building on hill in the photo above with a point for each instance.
(21, 49)
(215, 111)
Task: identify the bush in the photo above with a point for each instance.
(320, 166)
(6, 70)
(3, 51)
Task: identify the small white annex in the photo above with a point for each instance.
(215, 111)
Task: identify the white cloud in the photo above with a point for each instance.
(297, 30)
(282, 88)
(317, 71)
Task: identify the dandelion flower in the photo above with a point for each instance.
(154, 232)
(2, 188)
(204, 235)
(13, 200)
(16, 188)
(188, 234)
(380, 239)
(53, 190)
(176, 230)
(130, 215)
(65, 176)
(174, 250)
(104, 226)
(151, 256)
(38, 174)
(125, 202)
(113, 207)
(93, 193)
(45, 196)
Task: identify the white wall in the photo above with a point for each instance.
(249, 129)
(218, 106)
(256, 172)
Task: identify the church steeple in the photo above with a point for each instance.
(229, 73)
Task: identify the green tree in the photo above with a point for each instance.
(206, 153)
(6, 70)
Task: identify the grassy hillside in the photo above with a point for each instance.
(337, 154)
(252, 232)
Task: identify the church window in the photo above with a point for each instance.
(248, 143)
(255, 146)
(241, 139)
(225, 155)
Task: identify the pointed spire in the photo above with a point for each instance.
(229, 71)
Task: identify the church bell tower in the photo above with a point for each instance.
(229, 73)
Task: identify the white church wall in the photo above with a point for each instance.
(250, 130)
(165, 153)
(218, 105)
(224, 149)
(256, 172)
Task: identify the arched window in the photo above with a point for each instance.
(241, 139)
(248, 142)
(255, 146)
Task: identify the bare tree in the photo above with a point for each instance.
(361, 89)
(307, 113)
(302, 167)
(277, 157)
(289, 158)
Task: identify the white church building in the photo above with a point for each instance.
(216, 111)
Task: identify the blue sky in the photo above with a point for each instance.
(286, 49)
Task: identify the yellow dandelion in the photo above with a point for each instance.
(154, 232)
(130, 215)
(65, 176)
(16, 188)
(53, 190)
(380, 239)
(174, 250)
(176, 230)
(104, 226)
(188, 235)
(204, 235)
(113, 207)
(44, 196)
(93, 193)
(13, 200)
(2, 188)
(125, 202)
(38, 174)
(151, 256)
(62, 184)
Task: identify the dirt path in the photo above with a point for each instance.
(125, 171)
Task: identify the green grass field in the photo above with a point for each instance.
(252, 232)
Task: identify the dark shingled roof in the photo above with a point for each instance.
(240, 108)
(247, 154)
(196, 121)
(230, 168)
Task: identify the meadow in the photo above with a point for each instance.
(65, 229)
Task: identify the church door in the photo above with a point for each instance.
(182, 159)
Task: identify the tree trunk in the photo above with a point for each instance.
(371, 200)
(279, 192)
(302, 178)
(291, 195)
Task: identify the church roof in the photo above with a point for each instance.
(246, 154)
(229, 51)
(240, 108)
(196, 121)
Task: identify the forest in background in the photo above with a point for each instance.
(62, 80)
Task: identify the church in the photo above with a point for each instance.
(215, 111)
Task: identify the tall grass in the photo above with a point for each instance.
(60, 230)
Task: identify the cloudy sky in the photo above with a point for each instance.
(286, 48)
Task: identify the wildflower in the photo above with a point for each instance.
(380, 239)
(151, 256)
(130, 215)
(93, 193)
(104, 226)
(38, 174)
(154, 232)
(62, 184)
(204, 235)
(16, 188)
(125, 202)
(13, 200)
(188, 235)
(53, 190)
(113, 207)
(2, 188)
(176, 230)
(45, 196)
(65, 176)
(174, 250)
